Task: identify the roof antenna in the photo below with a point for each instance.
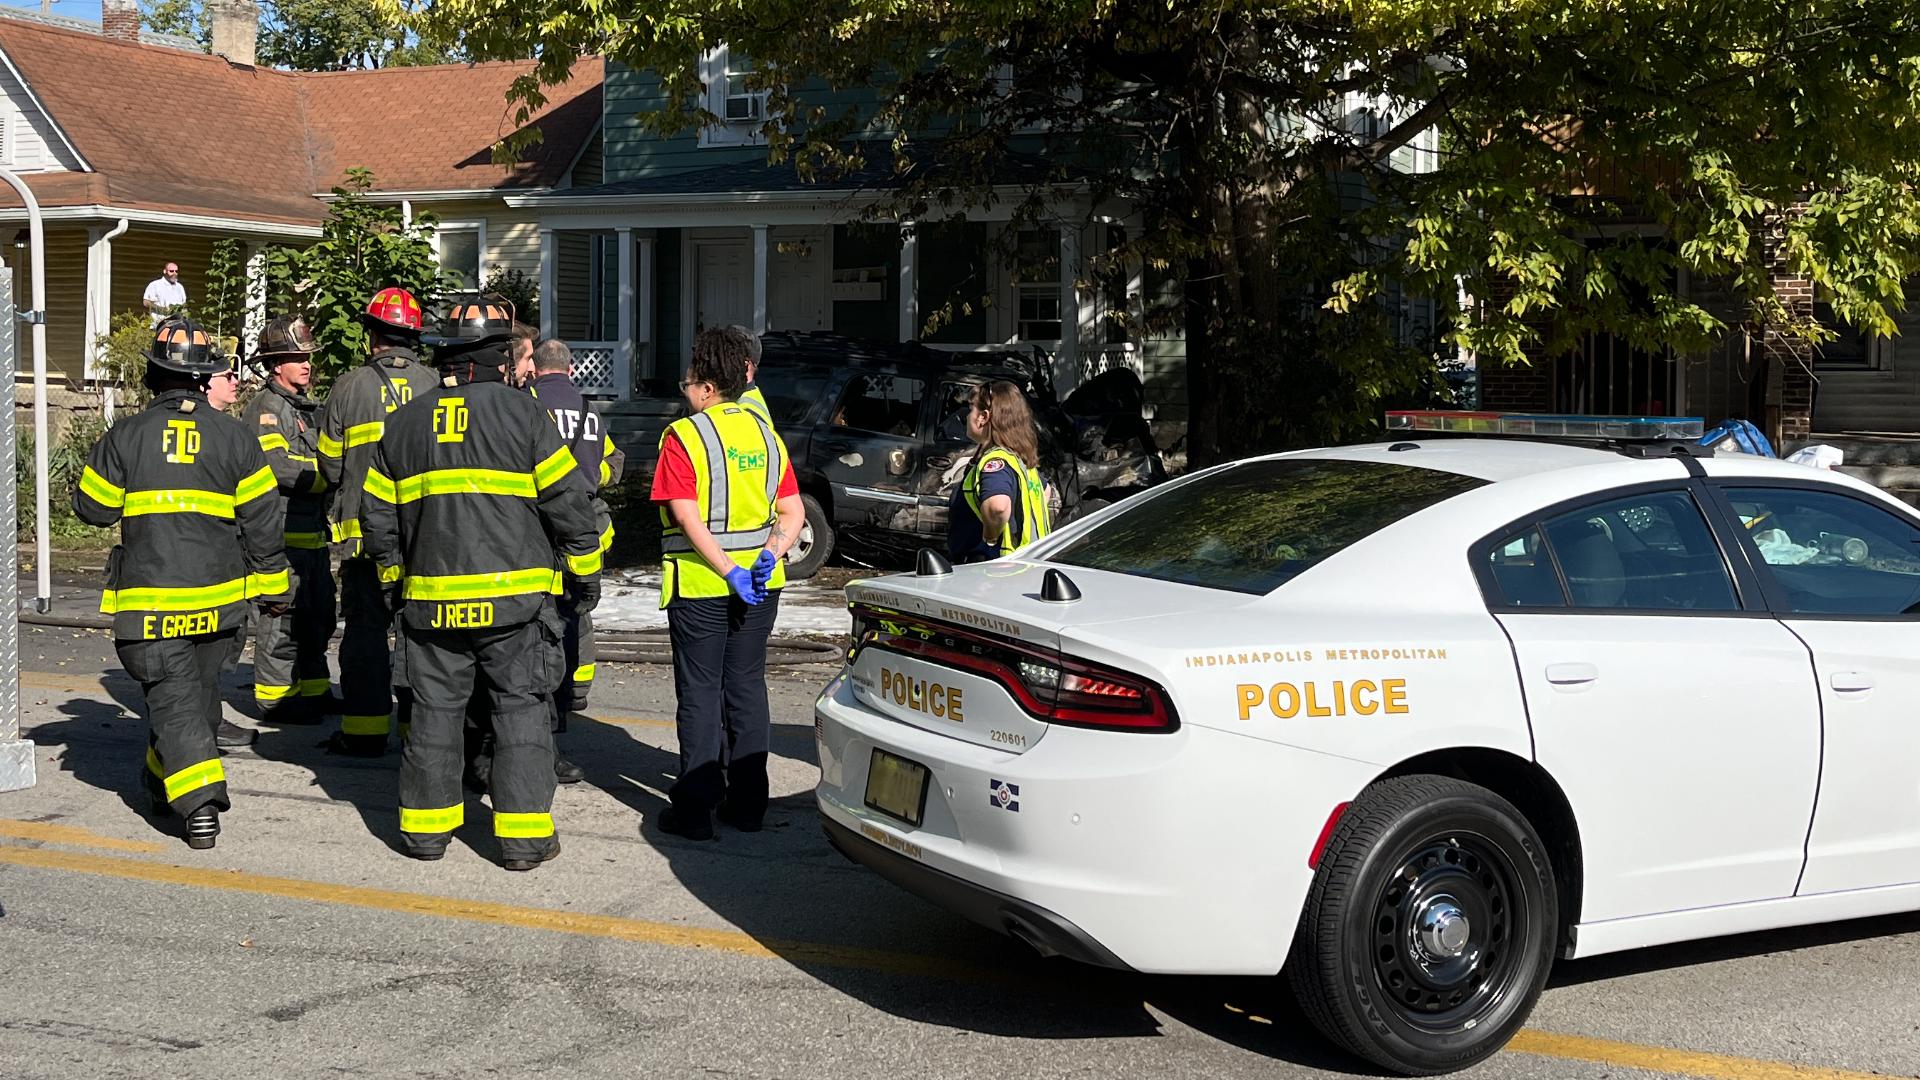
(1058, 588)
(931, 563)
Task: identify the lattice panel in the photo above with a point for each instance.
(593, 367)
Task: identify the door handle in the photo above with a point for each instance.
(1850, 682)
(1571, 674)
(838, 447)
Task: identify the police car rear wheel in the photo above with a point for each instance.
(814, 546)
(1428, 932)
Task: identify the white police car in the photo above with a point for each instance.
(1407, 720)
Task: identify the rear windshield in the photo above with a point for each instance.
(1254, 527)
(792, 392)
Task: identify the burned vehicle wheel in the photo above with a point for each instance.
(814, 547)
(1429, 930)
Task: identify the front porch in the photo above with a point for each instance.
(629, 276)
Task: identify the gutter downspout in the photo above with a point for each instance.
(106, 261)
(406, 213)
(36, 316)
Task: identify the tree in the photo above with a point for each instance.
(340, 35)
(363, 248)
(181, 18)
(1255, 142)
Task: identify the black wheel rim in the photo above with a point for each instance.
(1446, 933)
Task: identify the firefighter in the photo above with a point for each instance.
(357, 411)
(751, 399)
(471, 491)
(290, 680)
(223, 390)
(594, 453)
(200, 540)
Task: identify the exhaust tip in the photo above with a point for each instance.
(1058, 588)
(930, 563)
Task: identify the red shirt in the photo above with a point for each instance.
(673, 477)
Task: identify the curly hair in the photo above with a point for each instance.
(720, 358)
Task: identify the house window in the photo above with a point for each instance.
(1853, 350)
(603, 286)
(1037, 296)
(461, 245)
(725, 72)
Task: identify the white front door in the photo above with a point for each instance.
(797, 275)
(1845, 577)
(1684, 730)
(723, 284)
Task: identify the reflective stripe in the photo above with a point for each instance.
(554, 469)
(445, 819)
(378, 486)
(362, 434)
(584, 565)
(583, 673)
(179, 501)
(719, 484)
(315, 687)
(263, 692)
(678, 542)
(306, 541)
(268, 584)
(391, 574)
(484, 586)
(606, 472)
(153, 764)
(100, 490)
(274, 441)
(175, 598)
(606, 539)
(460, 482)
(195, 777)
(522, 826)
(346, 530)
(330, 446)
(260, 483)
(301, 458)
(365, 725)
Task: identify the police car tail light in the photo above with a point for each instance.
(1051, 687)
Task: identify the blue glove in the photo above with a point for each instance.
(763, 569)
(741, 580)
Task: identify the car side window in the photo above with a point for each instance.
(956, 404)
(1650, 552)
(1524, 572)
(1832, 554)
(878, 402)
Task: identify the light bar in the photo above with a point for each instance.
(1542, 425)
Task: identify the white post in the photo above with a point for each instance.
(37, 317)
(759, 280)
(643, 328)
(93, 328)
(253, 318)
(1066, 363)
(549, 277)
(623, 350)
(909, 290)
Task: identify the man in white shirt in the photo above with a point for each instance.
(164, 294)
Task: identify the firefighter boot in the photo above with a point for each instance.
(203, 827)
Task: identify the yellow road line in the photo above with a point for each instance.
(1661, 1059)
(800, 953)
(566, 922)
(48, 832)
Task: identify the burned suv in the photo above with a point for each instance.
(878, 435)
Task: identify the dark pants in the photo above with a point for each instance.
(515, 667)
(290, 652)
(366, 666)
(180, 678)
(576, 677)
(720, 679)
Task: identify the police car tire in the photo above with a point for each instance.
(822, 550)
(1345, 954)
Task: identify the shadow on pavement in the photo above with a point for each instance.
(1739, 947)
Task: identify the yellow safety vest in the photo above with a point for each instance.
(737, 462)
(1034, 520)
(755, 402)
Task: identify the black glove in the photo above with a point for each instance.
(583, 593)
(394, 597)
(273, 609)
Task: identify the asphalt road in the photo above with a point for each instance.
(306, 946)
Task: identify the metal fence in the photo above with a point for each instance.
(16, 753)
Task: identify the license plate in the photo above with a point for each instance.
(897, 787)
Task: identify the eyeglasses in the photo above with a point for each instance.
(234, 375)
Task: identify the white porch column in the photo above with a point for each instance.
(1066, 363)
(549, 286)
(623, 348)
(759, 280)
(95, 325)
(254, 319)
(643, 331)
(909, 286)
